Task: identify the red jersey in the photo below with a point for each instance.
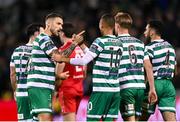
(75, 80)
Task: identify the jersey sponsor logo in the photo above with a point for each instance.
(164, 72)
(134, 69)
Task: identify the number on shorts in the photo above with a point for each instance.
(90, 106)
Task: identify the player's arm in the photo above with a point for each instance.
(60, 75)
(78, 39)
(84, 47)
(152, 97)
(176, 70)
(13, 77)
(75, 61)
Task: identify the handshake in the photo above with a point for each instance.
(62, 56)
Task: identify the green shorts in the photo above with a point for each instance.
(166, 97)
(23, 108)
(41, 100)
(103, 106)
(131, 102)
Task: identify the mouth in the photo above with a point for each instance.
(59, 31)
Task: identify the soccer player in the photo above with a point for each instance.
(41, 77)
(18, 72)
(106, 52)
(163, 58)
(131, 70)
(70, 89)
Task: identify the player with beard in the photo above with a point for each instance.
(106, 52)
(163, 58)
(41, 77)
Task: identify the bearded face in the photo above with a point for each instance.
(147, 35)
(56, 26)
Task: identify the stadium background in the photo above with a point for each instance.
(15, 15)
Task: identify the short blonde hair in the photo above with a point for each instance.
(123, 19)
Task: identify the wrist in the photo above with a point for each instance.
(75, 43)
(152, 88)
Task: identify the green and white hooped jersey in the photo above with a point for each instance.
(107, 51)
(42, 68)
(131, 71)
(163, 58)
(20, 59)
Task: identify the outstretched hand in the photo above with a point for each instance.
(78, 38)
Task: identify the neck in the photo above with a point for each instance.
(31, 39)
(108, 32)
(123, 31)
(156, 37)
(47, 31)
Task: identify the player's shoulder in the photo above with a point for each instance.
(105, 38)
(137, 40)
(129, 38)
(169, 44)
(20, 47)
(42, 36)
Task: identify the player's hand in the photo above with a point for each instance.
(152, 96)
(64, 75)
(56, 57)
(78, 38)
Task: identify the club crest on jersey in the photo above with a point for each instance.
(93, 48)
(49, 45)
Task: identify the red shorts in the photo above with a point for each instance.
(69, 101)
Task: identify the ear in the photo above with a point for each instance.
(151, 32)
(48, 23)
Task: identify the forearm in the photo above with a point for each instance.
(150, 79)
(13, 81)
(175, 70)
(68, 51)
(82, 61)
(84, 48)
(149, 72)
(13, 77)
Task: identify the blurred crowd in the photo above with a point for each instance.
(15, 15)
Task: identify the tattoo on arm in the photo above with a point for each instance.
(69, 50)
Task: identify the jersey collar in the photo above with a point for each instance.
(124, 34)
(158, 40)
(111, 35)
(29, 44)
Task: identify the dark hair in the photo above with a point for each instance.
(124, 20)
(108, 19)
(68, 29)
(32, 28)
(157, 26)
(52, 15)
